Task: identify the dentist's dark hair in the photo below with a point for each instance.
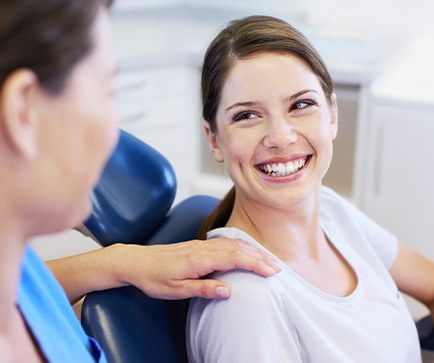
(48, 37)
(240, 39)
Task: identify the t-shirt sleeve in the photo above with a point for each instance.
(251, 326)
(384, 243)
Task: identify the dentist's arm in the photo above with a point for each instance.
(162, 271)
(414, 275)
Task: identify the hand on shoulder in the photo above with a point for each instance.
(175, 271)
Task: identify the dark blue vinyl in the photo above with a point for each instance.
(132, 327)
(426, 332)
(134, 193)
(130, 203)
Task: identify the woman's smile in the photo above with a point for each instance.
(284, 170)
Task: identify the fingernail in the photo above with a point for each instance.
(277, 267)
(272, 258)
(222, 292)
(270, 270)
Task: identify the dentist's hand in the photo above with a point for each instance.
(174, 271)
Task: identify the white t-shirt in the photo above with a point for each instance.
(284, 318)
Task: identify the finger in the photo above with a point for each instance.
(239, 247)
(254, 264)
(209, 289)
(229, 254)
(251, 261)
(271, 260)
(255, 261)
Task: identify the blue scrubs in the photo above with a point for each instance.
(49, 316)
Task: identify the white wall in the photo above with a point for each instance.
(371, 17)
(121, 5)
(362, 18)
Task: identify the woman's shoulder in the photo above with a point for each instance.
(248, 291)
(247, 284)
(251, 320)
(330, 198)
(253, 298)
(338, 208)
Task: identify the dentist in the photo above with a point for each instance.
(56, 132)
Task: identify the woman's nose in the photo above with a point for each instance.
(280, 134)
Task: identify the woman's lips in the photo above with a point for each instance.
(278, 169)
(284, 172)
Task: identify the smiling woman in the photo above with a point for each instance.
(270, 115)
(235, 47)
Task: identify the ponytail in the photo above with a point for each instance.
(220, 216)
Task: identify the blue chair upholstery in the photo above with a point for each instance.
(130, 203)
(425, 330)
(132, 327)
(135, 191)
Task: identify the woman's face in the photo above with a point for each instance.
(274, 129)
(78, 132)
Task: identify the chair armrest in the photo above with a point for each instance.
(132, 327)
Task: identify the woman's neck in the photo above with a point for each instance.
(289, 233)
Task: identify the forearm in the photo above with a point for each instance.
(414, 275)
(160, 271)
(87, 272)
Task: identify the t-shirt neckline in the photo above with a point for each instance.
(235, 232)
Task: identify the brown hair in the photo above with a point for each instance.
(47, 36)
(242, 38)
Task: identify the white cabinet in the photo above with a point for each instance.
(397, 172)
(160, 105)
(340, 176)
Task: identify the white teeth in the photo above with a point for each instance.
(281, 169)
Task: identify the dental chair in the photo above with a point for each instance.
(132, 204)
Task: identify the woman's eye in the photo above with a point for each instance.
(303, 104)
(244, 116)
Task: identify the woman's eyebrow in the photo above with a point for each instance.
(298, 94)
(252, 103)
(247, 103)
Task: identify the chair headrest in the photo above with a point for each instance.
(134, 193)
(184, 220)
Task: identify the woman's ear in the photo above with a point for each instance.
(213, 142)
(19, 124)
(333, 115)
